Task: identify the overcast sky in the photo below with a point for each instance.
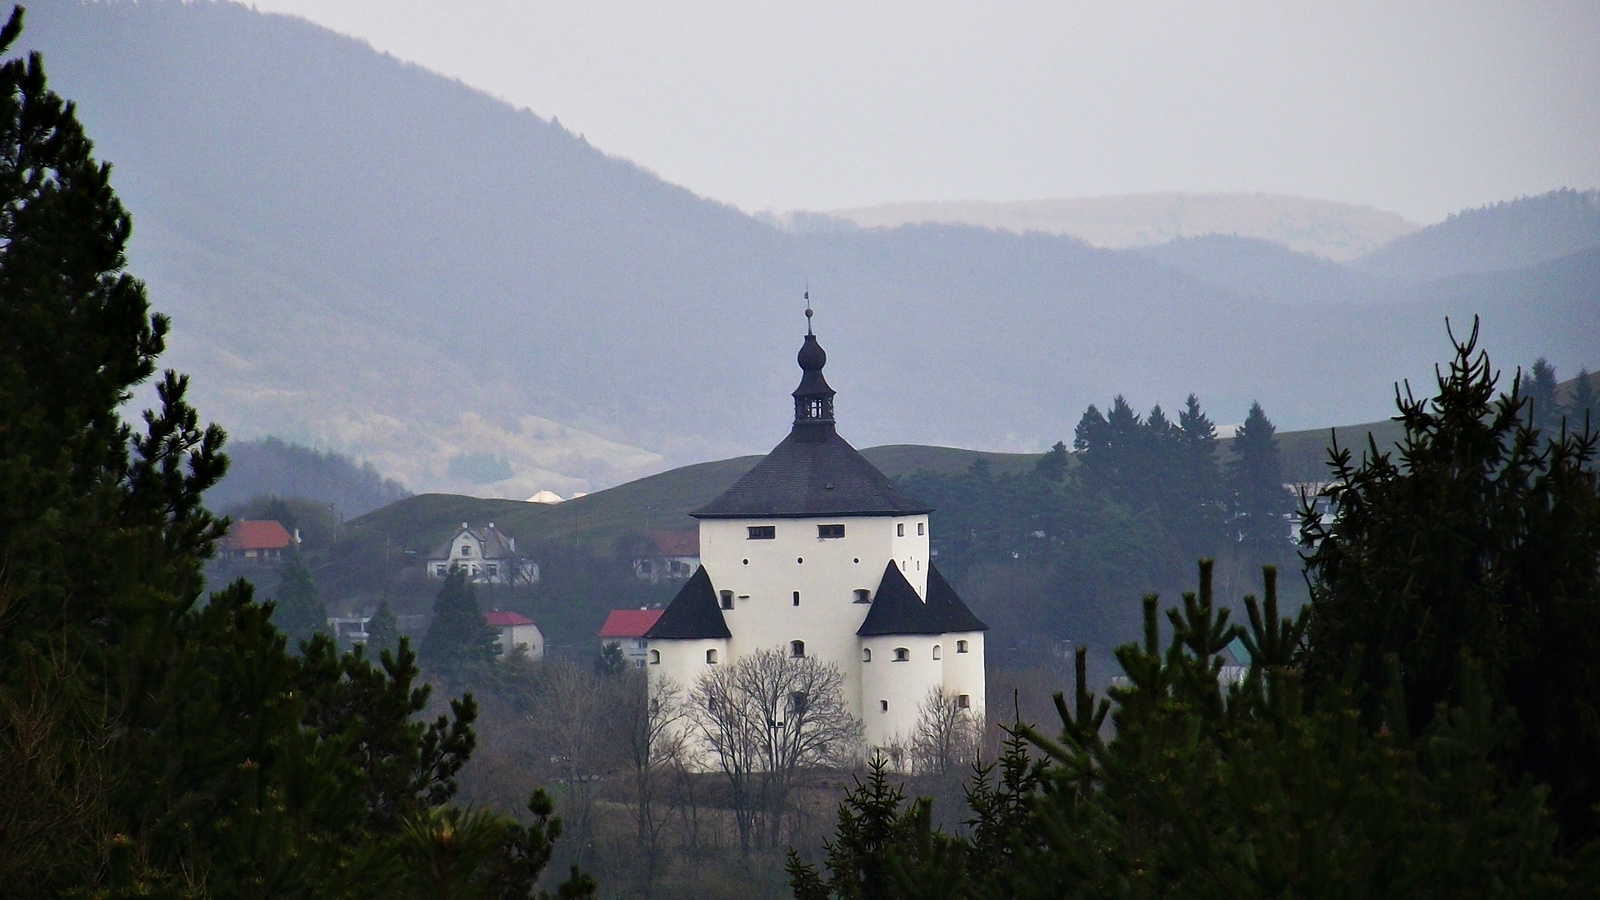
(1423, 108)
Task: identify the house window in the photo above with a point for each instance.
(797, 649)
(920, 527)
(796, 598)
(937, 653)
(493, 570)
(863, 595)
(727, 599)
(961, 646)
(466, 549)
(900, 529)
(866, 654)
(797, 703)
(763, 532)
(901, 654)
(655, 657)
(964, 701)
(883, 705)
(825, 532)
(711, 657)
(441, 571)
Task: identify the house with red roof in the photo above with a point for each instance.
(626, 628)
(516, 631)
(672, 556)
(258, 540)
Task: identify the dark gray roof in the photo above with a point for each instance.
(813, 472)
(952, 612)
(692, 615)
(896, 609)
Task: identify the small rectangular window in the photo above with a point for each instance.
(763, 532)
(964, 702)
(920, 526)
(796, 598)
(900, 529)
(830, 531)
(883, 705)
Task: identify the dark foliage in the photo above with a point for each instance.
(152, 744)
(458, 641)
(1483, 535)
(297, 609)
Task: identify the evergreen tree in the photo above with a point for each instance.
(1539, 390)
(1053, 464)
(382, 630)
(457, 640)
(1483, 535)
(298, 610)
(1583, 407)
(1200, 513)
(151, 744)
(1261, 505)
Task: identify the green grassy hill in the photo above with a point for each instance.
(658, 502)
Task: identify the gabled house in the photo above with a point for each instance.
(626, 628)
(516, 630)
(486, 554)
(258, 540)
(671, 556)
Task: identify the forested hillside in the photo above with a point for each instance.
(361, 255)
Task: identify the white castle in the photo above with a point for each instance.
(815, 552)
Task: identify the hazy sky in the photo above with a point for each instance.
(1419, 107)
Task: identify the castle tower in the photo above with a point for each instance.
(815, 552)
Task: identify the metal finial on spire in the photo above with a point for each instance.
(808, 310)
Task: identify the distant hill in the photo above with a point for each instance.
(1508, 235)
(1340, 231)
(362, 255)
(274, 468)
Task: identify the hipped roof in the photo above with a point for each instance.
(896, 609)
(812, 475)
(693, 614)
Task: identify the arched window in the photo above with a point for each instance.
(655, 657)
(727, 599)
(961, 646)
(797, 649)
(883, 705)
(711, 657)
(901, 654)
(937, 653)
(866, 654)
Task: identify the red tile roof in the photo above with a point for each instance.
(677, 543)
(629, 623)
(502, 619)
(256, 535)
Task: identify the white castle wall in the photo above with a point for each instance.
(893, 689)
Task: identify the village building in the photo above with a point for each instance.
(627, 628)
(259, 541)
(670, 556)
(485, 554)
(816, 552)
(516, 631)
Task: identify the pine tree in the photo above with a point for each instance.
(457, 641)
(1261, 505)
(1539, 389)
(1583, 407)
(298, 610)
(1482, 535)
(382, 631)
(1053, 464)
(1200, 509)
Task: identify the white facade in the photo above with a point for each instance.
(793, 576)
(528, 637)
(486, 555)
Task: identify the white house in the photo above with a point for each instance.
(627, 629)
(487, 555)
(516, 630)
(816, 552)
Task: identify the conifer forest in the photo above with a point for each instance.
(1383, 683)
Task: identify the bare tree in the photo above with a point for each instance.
(946, 735)
(765, 720)
(570, 706)
(652, 714)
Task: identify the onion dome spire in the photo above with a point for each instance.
(813, 399)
